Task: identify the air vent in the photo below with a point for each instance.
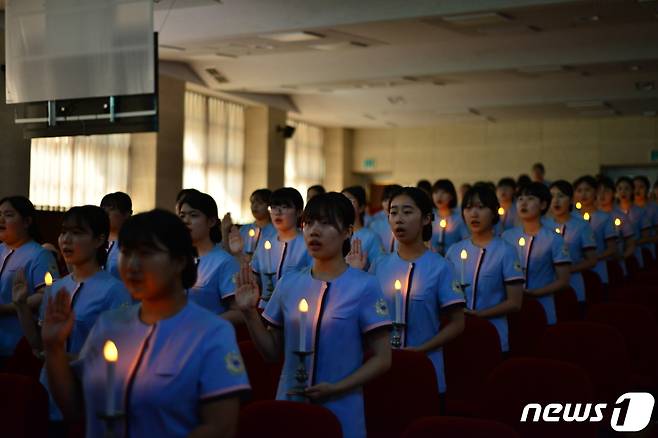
(217, 75)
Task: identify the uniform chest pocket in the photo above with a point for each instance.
(423, 295)
(167, 368)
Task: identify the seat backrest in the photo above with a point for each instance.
(519, 381)
(526, 327)
(279, 418)
(406, 392)
(458, 427)
(263, 376)
(598, 348)
(23, 361)
(615, 273)
(594, 292)
(23, 407)
(566, 305)
(470, 358)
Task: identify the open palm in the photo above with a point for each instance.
(58, 320)
(246, 291)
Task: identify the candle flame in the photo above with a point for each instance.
(557, 230)
(110, 351)
(252, 233)
(617, 222)
(579, 205)
(521, 241)
(303, 305)
(48, 279)
(398, 285)
(501, 211)
(443, 223)
(463, 255)
(268, 245)
(586, 216)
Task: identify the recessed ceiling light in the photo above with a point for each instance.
(586, 104)
(474, 112)
(330, 46)
(634, 68)
(537, 69)
(394, 100)
(645, 86)
(292, 37)
(477, 19)
(651, 113)
(599, 113)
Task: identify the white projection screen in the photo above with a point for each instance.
(72, 49)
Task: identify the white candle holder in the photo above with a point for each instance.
(396, 335)
(301, 376)
(111, 420)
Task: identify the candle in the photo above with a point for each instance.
(521, 250)
(501, 211)
(268, 248)
(586, 216)
(48, 280)
(303, 311)
(111, 355)
(252, 234)
(557, 230)
(579, 205)
(463, 255)
(398, 301)
(443, 224)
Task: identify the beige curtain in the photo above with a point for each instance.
(214, 150)
(68, 171)
(304, 164)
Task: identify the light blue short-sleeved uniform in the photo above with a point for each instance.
(35, 261)
(379, 224)
(112, 263)
(623, 232)
(640, 221)
(538, 258)
(652, 213)
(340, 312)
(486, 272)
(283, 257)
(508, 220)
(371, 243)
(268, 232)
(215, 280)
(428, 285)
(164, 371)
(603, 227)
(455, 231)
(579, 236)
(89, 299)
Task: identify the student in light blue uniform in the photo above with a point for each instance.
(641, 187)
(544, 256)
(82, 240)
(444, 197)
(428, 285)
(288, 250)
(262, 226)
(576, 232)
(636, 215)
(492, 270)
(119, 207)
(602, 223)
(179, 371)
(625, 242)
(369, 242)
(346, 309)
(19, 251)
(379, 221)
(216, 269)
(505, 191)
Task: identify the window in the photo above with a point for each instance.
(68, 171)
(213, 155)
(304, 157)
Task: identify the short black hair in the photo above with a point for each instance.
(390, 190)
(263, 195)
(563, 186)
(206, 205)
(333, 208)
(486, 196)
(424, 185)
(539, 166)
(423, 203)
(606, 183)
(160, 227)
(538, 190)
(359, 194)
(318, 188)
(26, 209)
(287, 197)
(644, 181)
(447, 186)
(96, 220)
(118, 200)
(625, 179)
(586, 179)
(507, 182)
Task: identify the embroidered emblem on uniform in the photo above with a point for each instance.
(234, 363)
(381, 307)
(234, 278)
(456, 287)
(517, 266)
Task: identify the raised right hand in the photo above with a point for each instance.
(58, 320)
(246, 291)
(19, 289)
(235, 242)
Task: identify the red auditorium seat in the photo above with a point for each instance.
(406, 392)
(526, 327)
(458, 427)
(23, 361)
(468, 361)
(615, 273)
(23, 407)
(645, 295)
(263, 376)
(647, 256)
(594, 292)
(287, 419)
(633, 267)
(519, 381)
(598, 348)
(566, 305)
(640, 331)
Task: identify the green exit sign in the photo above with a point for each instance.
(654, 155)
(369, 163)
